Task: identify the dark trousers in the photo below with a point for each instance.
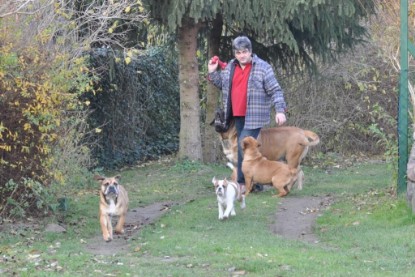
(242, 133)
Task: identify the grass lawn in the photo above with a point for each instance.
(366, 232)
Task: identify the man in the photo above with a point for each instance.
(249, 88)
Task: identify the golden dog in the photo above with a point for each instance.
(113, 202)
(257, 168)
(280, 143)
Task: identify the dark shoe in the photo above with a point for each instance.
(258, 188)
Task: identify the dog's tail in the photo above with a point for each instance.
(230, 165)
(312, 138)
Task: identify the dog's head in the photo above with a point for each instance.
(220, 186)
(230, 134)
(109, 186)
(250, 143)
(250, 147)
(229, 143)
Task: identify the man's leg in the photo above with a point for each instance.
(242, 133)
(239, 124)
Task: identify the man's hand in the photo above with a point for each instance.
(212, 65)
(214, 62)
(280, 119)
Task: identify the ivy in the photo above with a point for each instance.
(138, 111)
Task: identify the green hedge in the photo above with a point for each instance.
(138, 111)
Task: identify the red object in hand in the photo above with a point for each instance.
(215, 59)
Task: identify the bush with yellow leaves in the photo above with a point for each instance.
(40, 118)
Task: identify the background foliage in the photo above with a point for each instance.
(138, 108)
(45, 139)
(346, 100)
(294, 33)
(40, 84)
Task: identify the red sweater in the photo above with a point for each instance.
(239, 89)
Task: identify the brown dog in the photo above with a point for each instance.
(113, 202)
(280, 143)
(258, 169)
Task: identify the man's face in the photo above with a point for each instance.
(244, 56)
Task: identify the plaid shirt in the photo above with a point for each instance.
(263, 90)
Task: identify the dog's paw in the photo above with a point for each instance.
(107, 239)
(119, 232)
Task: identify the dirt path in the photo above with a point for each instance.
(294, 219)
(136, 219)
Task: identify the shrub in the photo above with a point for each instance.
(138, 109)
(345, 100)
(39, 115)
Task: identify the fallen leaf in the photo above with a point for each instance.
(35, 256)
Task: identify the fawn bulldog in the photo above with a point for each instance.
(226, 193)
(113, 202)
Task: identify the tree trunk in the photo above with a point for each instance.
(212, 149)
(190, 136)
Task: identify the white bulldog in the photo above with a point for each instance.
(226, 193)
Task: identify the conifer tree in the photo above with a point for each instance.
(295, 33)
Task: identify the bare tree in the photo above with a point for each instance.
(78, 24)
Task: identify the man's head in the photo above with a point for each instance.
(241, 43)
(242, 49)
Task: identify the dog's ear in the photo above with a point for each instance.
(244, 144)
(214, 181)
(99, 177)
(118, 178)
